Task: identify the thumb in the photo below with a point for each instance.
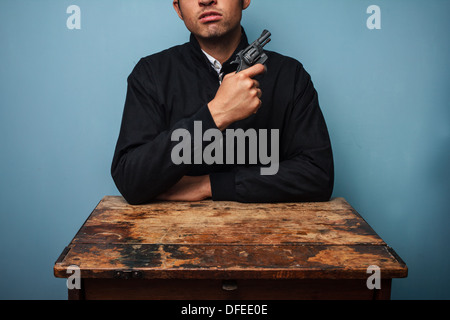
(255, 70)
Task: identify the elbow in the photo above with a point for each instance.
(325, 180)
(320, 193)
(319, 186)
(134, 192)
(325, 193)
(134, 195)
(325, 187)
(134, 199)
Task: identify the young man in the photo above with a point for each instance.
(195, 83)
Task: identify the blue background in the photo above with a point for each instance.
(384, 93)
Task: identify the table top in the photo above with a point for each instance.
(227, 240)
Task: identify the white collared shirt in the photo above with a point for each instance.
(215, 64)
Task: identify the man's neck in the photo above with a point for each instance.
(221, 48)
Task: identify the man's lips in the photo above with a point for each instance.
(210, 16)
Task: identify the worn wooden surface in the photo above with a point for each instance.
(227, 240)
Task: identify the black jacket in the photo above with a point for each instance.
(171, 90)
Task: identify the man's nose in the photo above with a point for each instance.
(206, 2)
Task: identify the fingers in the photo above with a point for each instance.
(255, 70)
(257, 89)
(259, 93)
(257, 108)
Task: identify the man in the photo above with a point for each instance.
(196, 83)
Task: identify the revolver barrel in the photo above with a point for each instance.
(264, 38)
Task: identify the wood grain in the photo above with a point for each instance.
(334, 222)
(228, 240)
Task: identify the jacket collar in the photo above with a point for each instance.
(227, 67)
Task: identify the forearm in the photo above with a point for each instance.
(144, 169)
(188, 189)
(298, 179)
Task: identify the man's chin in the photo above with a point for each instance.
(214, 34)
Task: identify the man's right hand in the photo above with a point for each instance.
(238, 97)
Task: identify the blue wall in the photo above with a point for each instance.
(384, 93)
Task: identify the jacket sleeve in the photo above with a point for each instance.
(306, 171)
(142, 167)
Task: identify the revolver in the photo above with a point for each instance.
(254, 53)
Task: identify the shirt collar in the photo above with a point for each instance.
(217, 66)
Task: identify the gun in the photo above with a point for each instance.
(254, 53)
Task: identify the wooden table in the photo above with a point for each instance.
(227, 250)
